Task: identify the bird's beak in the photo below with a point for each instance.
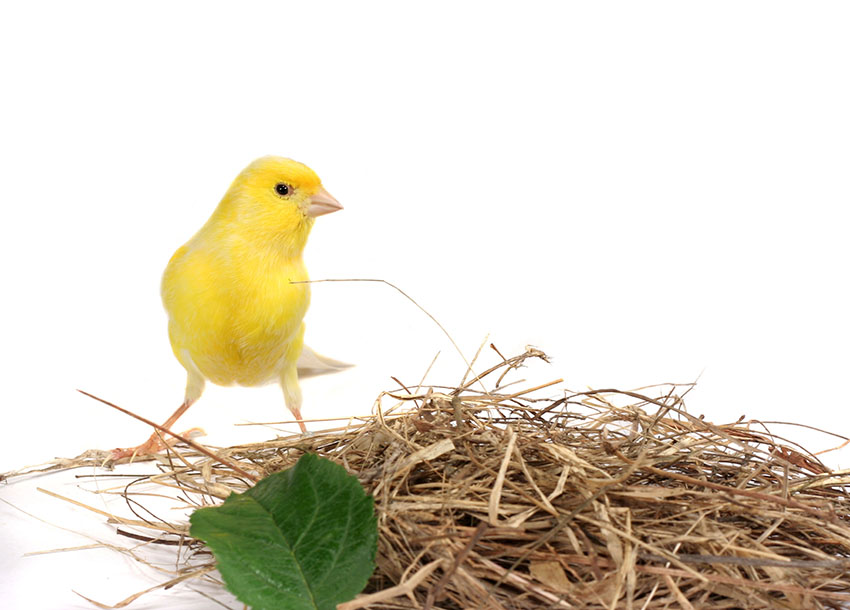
(322, 203)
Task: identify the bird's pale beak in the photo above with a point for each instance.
(323, 203)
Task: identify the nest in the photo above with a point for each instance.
(598, 499)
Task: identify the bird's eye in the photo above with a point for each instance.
(282, 189)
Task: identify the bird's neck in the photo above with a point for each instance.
(272, 236)
(286, 241)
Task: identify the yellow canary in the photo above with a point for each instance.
(234, 314)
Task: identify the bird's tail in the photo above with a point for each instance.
(311, 364)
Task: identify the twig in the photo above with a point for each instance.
(189, 442)
(437, 589)
(405, 295)
(364, 601)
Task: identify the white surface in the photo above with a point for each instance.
(646, 191)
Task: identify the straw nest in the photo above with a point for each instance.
(598, 499)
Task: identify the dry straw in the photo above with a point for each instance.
(599, 499)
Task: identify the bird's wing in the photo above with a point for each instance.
(311, 364)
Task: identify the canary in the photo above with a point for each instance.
(235, 315)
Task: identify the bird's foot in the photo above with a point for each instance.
(153, 445)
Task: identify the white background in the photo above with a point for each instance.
(646, 191)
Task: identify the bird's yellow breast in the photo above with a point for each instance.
(233, 309)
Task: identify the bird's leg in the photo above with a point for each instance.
(292, 394)
(297, 413)
(158, 440)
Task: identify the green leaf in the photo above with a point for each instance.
(302, 538)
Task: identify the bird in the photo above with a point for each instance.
(235, 293)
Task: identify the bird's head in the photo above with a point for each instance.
(278, 198)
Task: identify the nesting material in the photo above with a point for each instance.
(599, 499)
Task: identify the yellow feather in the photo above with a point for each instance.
(234, 315)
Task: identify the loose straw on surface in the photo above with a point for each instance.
(600, 499)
